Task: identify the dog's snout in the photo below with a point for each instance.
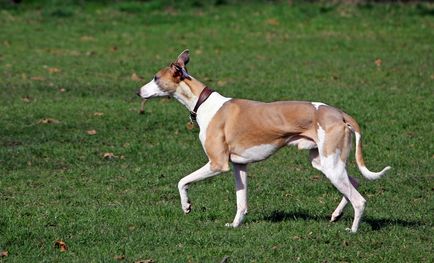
(138, 92)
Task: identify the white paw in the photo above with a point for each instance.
(232, 225)
(349, 230)
(186, 208)
(335, 217)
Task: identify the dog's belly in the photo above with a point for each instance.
(254, 154)
(302, 143)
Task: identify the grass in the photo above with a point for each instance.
(66, 69)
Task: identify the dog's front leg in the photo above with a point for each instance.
(198, 175)
(240, 173)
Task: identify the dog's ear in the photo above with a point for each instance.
(183, 58)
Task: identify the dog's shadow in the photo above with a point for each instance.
(375, 223)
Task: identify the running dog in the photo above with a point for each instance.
(242, 131)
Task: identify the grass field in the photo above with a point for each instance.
(68, 70)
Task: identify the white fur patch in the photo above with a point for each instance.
(254, 154)
(207, 111)
(321, 138)
(184, 95)
(317, 104)
(151, 89)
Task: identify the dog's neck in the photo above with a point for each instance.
(188, 92)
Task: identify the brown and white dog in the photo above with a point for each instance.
(242, 131)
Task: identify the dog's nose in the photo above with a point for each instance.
(138, 93)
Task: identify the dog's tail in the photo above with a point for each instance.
(355, 128)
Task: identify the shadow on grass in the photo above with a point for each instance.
(375, 223)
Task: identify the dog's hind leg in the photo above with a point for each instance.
(316, 163)
(336, 215)
(334, 148)
(240, 174)
(340, 180)
(200, 174)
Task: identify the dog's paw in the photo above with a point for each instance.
(232, 225)
(351, 231)
(186, 208)
(335, 218)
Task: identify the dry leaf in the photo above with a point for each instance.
(90, 53)
(272, 22)
(87, 38)
(221, 83)
(114, 48)
(61, 245)
(378, 62)
(145, 261)
(62, 90)
(4, 254)
(91, 132)
(190, 125)
(26, 99)
(136, 77)
(39, 78)
(48, 121)
(315, 177)
(122, 257)
(52, 70)
(109, 156)
(98, 113)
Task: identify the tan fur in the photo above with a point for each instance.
(236, 128)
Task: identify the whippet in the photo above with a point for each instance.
(244, 131)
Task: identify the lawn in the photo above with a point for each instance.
(85, 178)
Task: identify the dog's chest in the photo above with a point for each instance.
(207, 111)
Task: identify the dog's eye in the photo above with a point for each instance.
(156, 78)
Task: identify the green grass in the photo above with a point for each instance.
(67, 62)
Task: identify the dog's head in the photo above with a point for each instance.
(167, 80)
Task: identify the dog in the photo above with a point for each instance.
(242, 131)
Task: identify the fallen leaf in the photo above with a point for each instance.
(136, 77)
(4, 254)
(315, 177)
(26, 99)
(48, 121)
(87, 38)
(98, 113)
(62, 90)
(221, 83)
(190, 125)
(378, 62)
(122, 257)
(145, 261)
(114, 48)
(91, 132)
(109, 156)
(272, 22)
(90, 53)
(52, 70)
(39, 78)
(61, 245)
